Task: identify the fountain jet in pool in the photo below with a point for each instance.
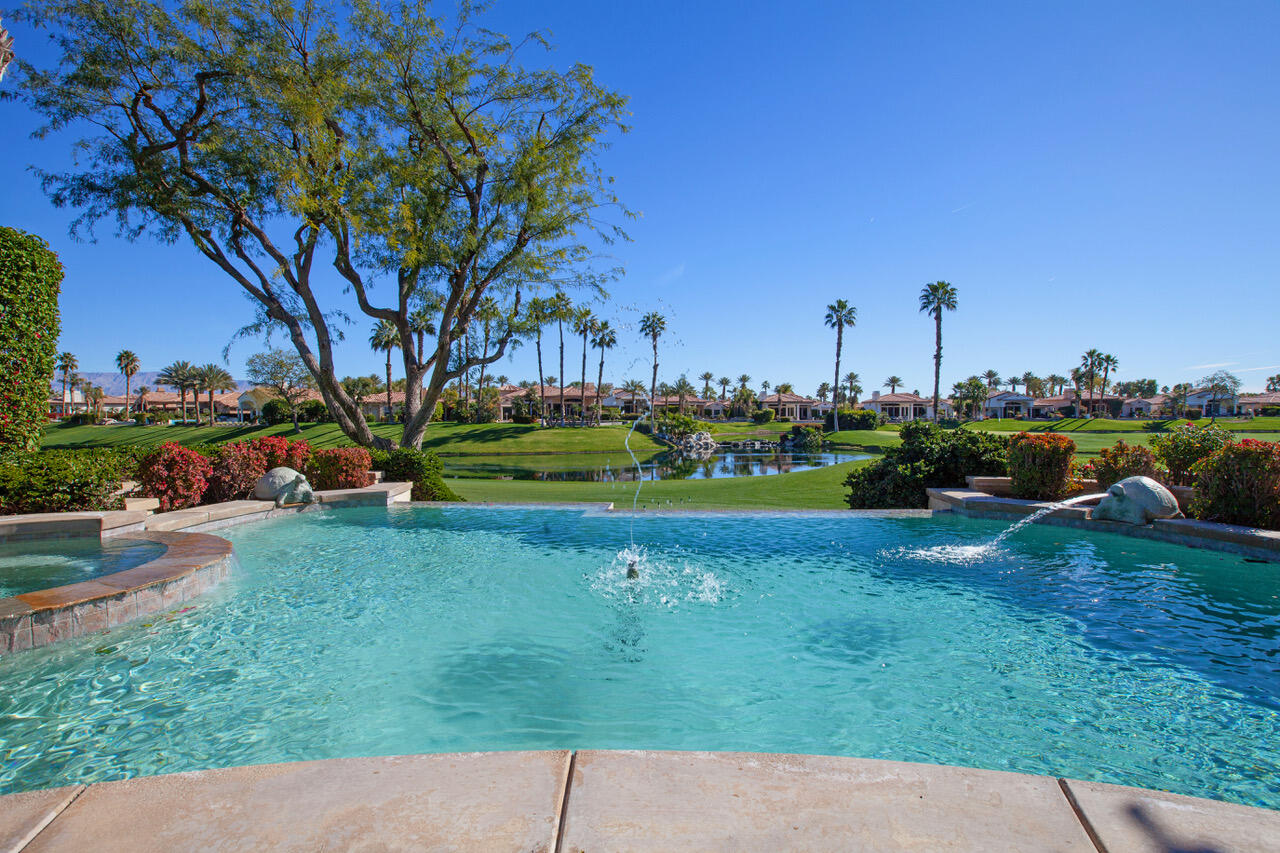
(1041, 513)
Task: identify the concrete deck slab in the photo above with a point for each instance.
(742, 801)
(1141, 821)
(24, 815)
(469, 801)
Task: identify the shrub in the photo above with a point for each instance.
(1183, 446)
(678, 426)
(314, 411)
(1120, 461)
(276, 412)
(339, 468)
(762, 416)
(1240, 484)
(1040, 465)
(929, 457)
(1270, 411)
(61, 481)
(1193, 415)
(522, 419)
(406, 465)
(279, 451)
(30, 276)
(808, 439)
(236, 469)
(852, 419)
(177, 475)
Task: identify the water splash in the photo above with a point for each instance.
(626, 442)
(658, 583)
(1041, 513)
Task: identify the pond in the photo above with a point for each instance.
(618, 467)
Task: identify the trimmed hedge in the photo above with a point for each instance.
(61, 481)
(1040, 465)
(1240, 484)
(852, 419)
(762, 416)
(30, 279)
(929, 457)
(406, 465)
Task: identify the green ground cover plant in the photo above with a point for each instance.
(928, 457)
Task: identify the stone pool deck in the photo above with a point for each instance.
(560, 801)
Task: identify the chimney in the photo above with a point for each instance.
(875, 395)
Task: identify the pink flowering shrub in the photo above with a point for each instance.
(339, 468)
(280, 452)
(177, 475)
(236, 469)
(1239, 484)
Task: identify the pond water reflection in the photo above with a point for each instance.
(618, 468)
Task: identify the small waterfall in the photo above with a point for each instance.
(1041, 513)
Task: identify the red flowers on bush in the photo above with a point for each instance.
(339, 468)
(1240, 484)
(1040, 465)
(280, 452)
(177, 475)
(1120, 461)
(236, 470)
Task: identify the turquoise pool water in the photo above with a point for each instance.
(366, 632)
(28, 566)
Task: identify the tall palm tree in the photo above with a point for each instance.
(851, 380)
(385, 338)
(584, 323)
(1109, 363)
(743, 380)
(127, 363)
(1014, 381)
(653, 325)
(66, 365)
(764, 391)
(823, 390)
(839, 314)
(1077, 380)
(1273, 383)
(1056, 383)
(992, 378)
(707, 378)
(605, 338)
(892, 384)
(143, 391)
(213, 379)
(724, 382)
(488, 313)
(561, 310)
(178, 377)
(683, 390)
(539, 314)
(1090, 364)
(934, 299)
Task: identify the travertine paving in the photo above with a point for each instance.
(558, 801)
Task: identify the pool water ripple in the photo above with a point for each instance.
(370, 632)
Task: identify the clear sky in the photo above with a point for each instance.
(1087, 174)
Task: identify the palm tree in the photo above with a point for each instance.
(1109, 363)
(683, 389)
(1014, 381)
(823, 390)
(178, 377)
(127, 363)
(743, 380)
(143, 391)
(66, 365)
(1273, 382)
(1077, 379)
(605, 338)
(839, 314)
(1056, 383)
(213, 379)
(561, 310)
(1090, 364)
(992, 378)
(707, 378)
(892, 384)
(851, 381)
(764, 391)
(934, 299)
(538, 316)
(584, 323)
(653, 325)
(385, 337)
(488, 313)
(724, 382)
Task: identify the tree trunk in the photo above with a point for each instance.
(599, 382)
(835, 411)
(389, 409)
(542, 385)
(937, 359)
(653, 383)
(583, 389)
(126, 397)
(560, 377)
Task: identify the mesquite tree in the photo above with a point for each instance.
(417, 156)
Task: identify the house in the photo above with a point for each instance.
(795, 406)
(1252, 404)
(900, 407)
(1007, 404)
(1143, 407)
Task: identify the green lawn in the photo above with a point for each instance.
(1078, 425)
(871, 440)
(821, 488)
(446, 438)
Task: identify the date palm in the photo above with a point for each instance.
(851, 380)
(707, 378)
(1109, 363)
(561, 310)
(385, 338)
(1056, 383)
(65, 365)
(178, 377)
(892, 384)
(1014, 382)
(584, 323)
(743, 381)
(1090, 364)
(823, 390)
(653, 325)
(213, 379)
(724, 382)
(992, 378)
(839, 314)
(127, 363)
(143, 391)
(1273, 383)
(683, 389)
(605, 339)
(936, 298)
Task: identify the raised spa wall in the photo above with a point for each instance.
(193, 563)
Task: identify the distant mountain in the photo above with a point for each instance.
(113, 383)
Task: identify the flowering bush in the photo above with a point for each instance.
(1183, 446)
(279, 451)
(339, 468)
(236, 470)
(1040, 465)
(177, 475)
(1240, 484)
(1122, 460)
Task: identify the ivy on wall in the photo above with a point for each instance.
(30, 279)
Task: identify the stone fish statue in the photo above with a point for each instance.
(284, 486)
(1136, 500)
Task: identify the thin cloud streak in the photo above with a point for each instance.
(1213, 366)
(1264, 367)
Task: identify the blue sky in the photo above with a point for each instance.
(1086, 174)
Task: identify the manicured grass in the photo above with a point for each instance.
(872, 440)
(746, 431)
(445, 438)
(821, 488)
(1077, 425)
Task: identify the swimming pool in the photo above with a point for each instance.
(30, 565)
(374, 631)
